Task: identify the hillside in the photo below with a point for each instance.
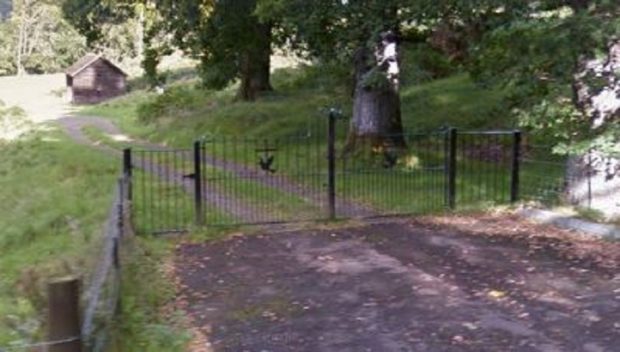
(185, 112)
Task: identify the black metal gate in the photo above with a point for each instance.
(312, 176)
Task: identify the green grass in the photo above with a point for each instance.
(296, 105)
(55, 196)
(454, 101)
(147, 322)
(161, 205)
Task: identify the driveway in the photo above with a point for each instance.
(438, 284)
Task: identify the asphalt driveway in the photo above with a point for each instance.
(499, 285)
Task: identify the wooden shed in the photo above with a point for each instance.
(94, 78)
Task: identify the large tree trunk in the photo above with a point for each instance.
(593, 179)
(255, 65)
(376, 104)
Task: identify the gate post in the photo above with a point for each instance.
(127, 171)
(331, 163)
(516, 159)
(198, 183)
(63, 315)
(451, 137)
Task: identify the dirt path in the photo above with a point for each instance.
(394, 287)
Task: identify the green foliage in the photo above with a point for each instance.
(88, 15)
(333, 30)
(226, 36)
(36, 39)
(300, 96)
(146, 290)
(125, 31)
(7, 57)
(376, 79)
(421, 63)
(176, 100)
(55, 196)
(535, 56)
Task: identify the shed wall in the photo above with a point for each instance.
(98, 82)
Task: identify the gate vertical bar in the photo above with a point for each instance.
(446, 166)
(514, 180)
(198, 184)
(127, 171)
(452, 140)
(331, 164)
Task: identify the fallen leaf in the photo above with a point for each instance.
(496, 294)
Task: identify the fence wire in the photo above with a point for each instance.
(103, 296)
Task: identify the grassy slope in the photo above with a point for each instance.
(55, 196)
(299, 98)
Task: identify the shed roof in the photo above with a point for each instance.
(88, 60)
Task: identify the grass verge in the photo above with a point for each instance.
(55, 196)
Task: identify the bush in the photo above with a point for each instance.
(327, 76)
(422, 63)
(173, 102)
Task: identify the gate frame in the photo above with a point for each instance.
(450, 168)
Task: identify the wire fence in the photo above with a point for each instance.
(102, 297)
(100, 300)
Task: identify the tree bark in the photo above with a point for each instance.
(19, 48)
(593, 179)
(255, 65)
(376, 104)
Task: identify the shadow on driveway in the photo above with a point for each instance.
(396, 287)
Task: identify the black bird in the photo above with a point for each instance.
(265, 163)
(192, 175)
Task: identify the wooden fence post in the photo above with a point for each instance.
(64, 315)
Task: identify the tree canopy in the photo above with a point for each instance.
(34, 38)
(227, 38)
(556, 57)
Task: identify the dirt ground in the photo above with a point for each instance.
(39, 95)
(490, 283)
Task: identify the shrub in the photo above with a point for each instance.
(422, 63)
(173, 102)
